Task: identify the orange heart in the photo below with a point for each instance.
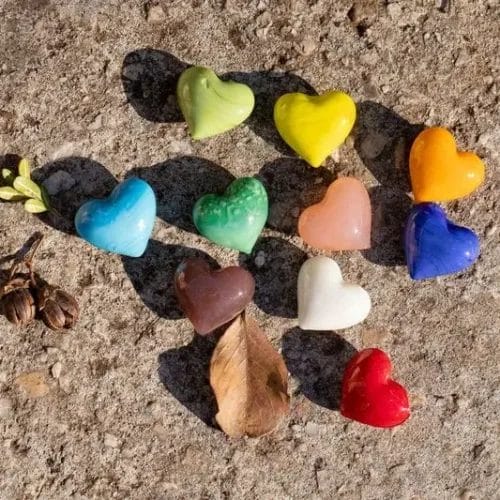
(341, 220)
(438, 171)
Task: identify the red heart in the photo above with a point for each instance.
(211, 298)
(369, 395)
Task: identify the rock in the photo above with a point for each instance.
(56, 369)
(394, 10)
(96, 123)
(490, 140)
(308, 46)
(373, 144)
(33, 384)
(111, 441)
(155, 14)
(491, 230)
(312, 429)
(58, 182)
(5, 407)
(260, 259)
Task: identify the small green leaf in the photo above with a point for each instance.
(24, 168)
(10, 194)
(8, 176)
(45, 198)
(28, 188)
(34, 206)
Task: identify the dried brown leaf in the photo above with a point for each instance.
(249, 379)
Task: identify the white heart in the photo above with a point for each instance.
(326, 301)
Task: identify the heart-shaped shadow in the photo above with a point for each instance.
(267, 86)
(292, 186)
(317, 360)
(178, 184)
(185, 374)
(152, 275)
(150, 77)
(383, 140)
(90, 180)
(275, 264)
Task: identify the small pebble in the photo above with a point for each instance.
(5, 407)
(312, 429)
(260, 259)
(56, 369)
(491, 230)
(373, 144)
(111, 441)
(58, 182)
(156, 14)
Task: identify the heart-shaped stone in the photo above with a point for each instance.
(211, 298)
(236, 218)
(123, 222)
(210, 105)
(369, 395)
(325, 300)
(342, 220)
(438, 171)
(435, 246)
(314, 126)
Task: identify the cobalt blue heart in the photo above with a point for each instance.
(435, 246)
(121, 223)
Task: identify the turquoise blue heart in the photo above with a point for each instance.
(123, 222)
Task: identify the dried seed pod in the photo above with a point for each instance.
(57, 308)
(16, 300)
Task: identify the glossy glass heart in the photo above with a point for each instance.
(121, 223)
(211, 298)
(314, 126)
(325, 300)
(341, 220)
(210, 105)
(434, 246)
(369, 395)
(236, 218)
(438, 171)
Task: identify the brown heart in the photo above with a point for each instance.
(211, 298)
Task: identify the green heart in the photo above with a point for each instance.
(211, 106)
(236, 218)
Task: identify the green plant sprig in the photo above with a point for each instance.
(21, 187)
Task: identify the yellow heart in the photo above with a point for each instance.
(314, 126)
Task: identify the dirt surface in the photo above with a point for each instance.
(86, 88)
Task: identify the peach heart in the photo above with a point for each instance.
(341, 220)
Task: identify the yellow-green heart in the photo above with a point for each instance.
(236, 218)
(210, 105)
(314, 126)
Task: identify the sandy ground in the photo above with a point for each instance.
(86, 88)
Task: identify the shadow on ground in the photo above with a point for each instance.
(185, 374)
(149, 79)
(276, 278)
(152, 275)
(179, 182)
(383, 140)
(292, 186)
(91, 180)
(317, 360)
